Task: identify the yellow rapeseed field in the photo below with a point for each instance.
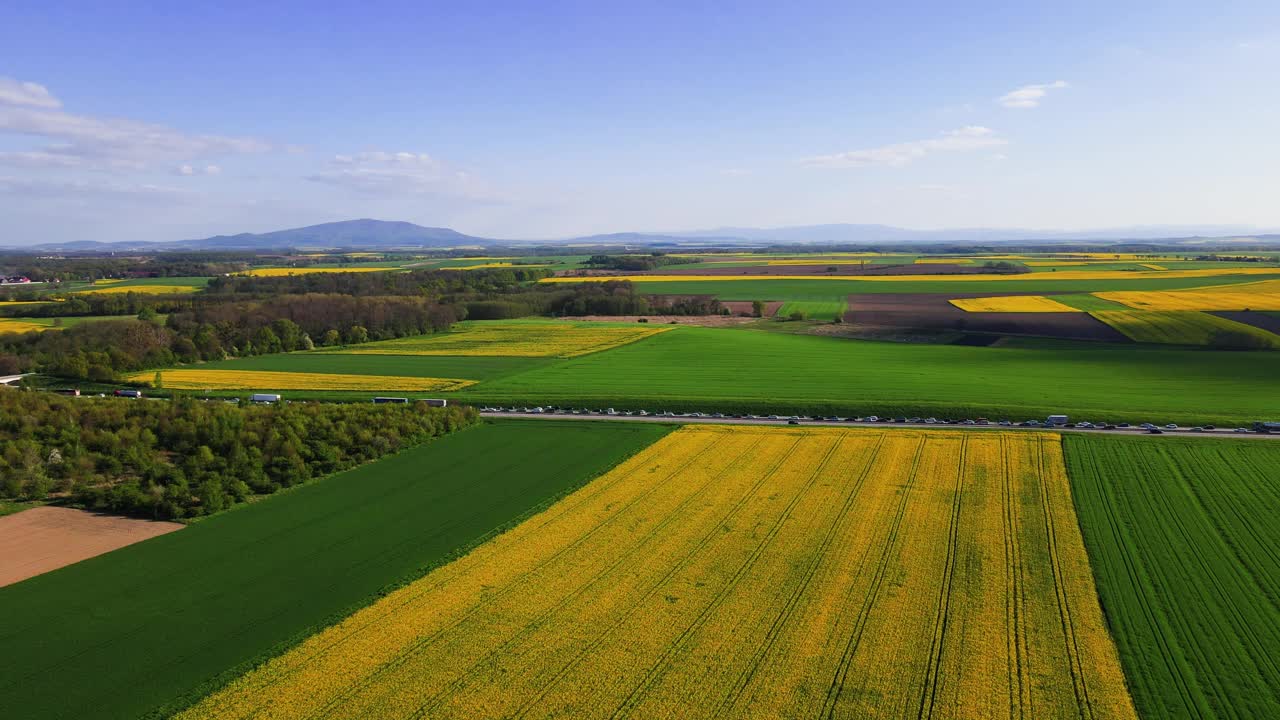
(1181, 327)
(518, 339)
(488, 265)
(142, 289)
(744, 572)
(18, 325)
(200, 379)
(1243, 296)
(281, 272)
(1012, 303)
(975, 277)
(943, 261)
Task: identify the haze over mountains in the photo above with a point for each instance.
(368, 234)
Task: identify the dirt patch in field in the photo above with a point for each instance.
(743, 308)
(932, 311)
(1262, 321)
(41, 539)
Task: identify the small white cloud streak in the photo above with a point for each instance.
(968, 138)
(1029, 96)
(83, 141)
(402, 173)
(29, 94)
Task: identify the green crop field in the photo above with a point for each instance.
(814, 309)
(151, 627)
(1182, 537)
(1181, 327)
(693, 368)
(1087, 302)
(825, 289)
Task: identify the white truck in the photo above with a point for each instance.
(1056, 420)
(264, 398)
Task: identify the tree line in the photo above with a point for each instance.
(185, 457)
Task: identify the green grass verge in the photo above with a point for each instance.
(728, 370)
(154, 626)
(1182, 538)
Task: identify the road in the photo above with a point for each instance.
(824, 423)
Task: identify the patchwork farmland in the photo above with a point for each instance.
(571, 568)
(738, 572)
(147, 629)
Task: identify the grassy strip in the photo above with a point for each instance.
(1182, 538)
(150, 628)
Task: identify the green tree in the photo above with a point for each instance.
(757, 308)
(357, 334)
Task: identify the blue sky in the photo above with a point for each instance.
(129, 121)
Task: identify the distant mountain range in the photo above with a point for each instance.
(368, 234)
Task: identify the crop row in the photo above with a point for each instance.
(1181, 328)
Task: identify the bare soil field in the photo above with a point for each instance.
(743, 307)
(41, 539)
(1262, 321)
(933, 311)
(820, 269)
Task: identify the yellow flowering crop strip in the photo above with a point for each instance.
(1179, 327)
(282, 272)
(142, 289)
(488, 265)
(1012, 303)
(551, 339)
(943, 261)
(198, 379)
(743, 572)
(1243, 296)
(15, 325)
(974, 277)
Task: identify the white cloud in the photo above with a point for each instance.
(403, 173)
(970, 137)
(735, 172)
(189, 170)
(13, 92)
(1029, 96)
(100, 143)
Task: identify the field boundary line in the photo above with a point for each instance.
(1083, 702)
(671, 517)
(328, 707)
(1139, 593)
